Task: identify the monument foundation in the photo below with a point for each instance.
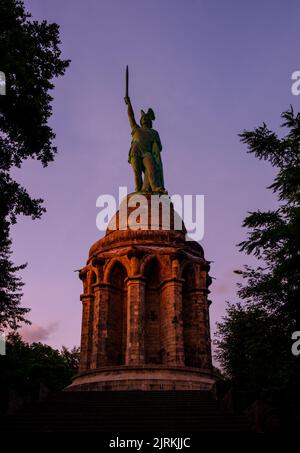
(145, 319)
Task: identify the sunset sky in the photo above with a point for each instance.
(209, 69)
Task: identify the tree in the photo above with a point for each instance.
(30, 59)
(71, 357)
(25, 367)
(254, 338)
(274, 236)
(253, 349)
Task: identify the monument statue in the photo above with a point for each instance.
(144, 153)
(145, 306)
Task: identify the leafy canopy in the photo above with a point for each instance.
(30, 58)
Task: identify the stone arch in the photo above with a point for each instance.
(110, 265)
(117, 315)
(83, 275)
(84, 285)
(95, 270)
(189, 317)
(146, 261)
(187, 264)
(91, 279)
(152, 275)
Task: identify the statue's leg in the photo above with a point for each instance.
(150, 172)
(136, 164)
(160, 171)
(146, 185)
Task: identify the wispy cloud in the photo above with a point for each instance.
(35, 332)
(226, 283)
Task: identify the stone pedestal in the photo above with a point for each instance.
(145, 321)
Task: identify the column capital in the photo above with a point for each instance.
(86, 297)
(136, 278)
(173, 280)
(101, 285)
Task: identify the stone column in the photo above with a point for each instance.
(95, 325)
(171, 322)
(202, 318)
(207, 360)
(135, 339)
(86, 331)
(99, 357)
(202, 355)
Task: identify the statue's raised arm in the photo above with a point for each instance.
(131, 117)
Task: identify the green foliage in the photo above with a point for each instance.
(254, 338)
(274, 236)
(26, 366)
(10, 288)
(30, 59)
(254, 348)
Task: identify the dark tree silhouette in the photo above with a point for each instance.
(254, 338)
(27, 367)
(30, 59)
(274, 236)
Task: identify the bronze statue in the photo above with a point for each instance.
(144, 153)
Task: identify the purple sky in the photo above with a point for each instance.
(209, 69)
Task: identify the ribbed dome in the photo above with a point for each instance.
(146, 212)
(141, 222)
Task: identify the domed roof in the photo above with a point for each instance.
(146, 220)
(146, 211)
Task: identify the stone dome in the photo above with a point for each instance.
(148, 219)
(146, 211)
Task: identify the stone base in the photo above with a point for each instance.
(143, 378)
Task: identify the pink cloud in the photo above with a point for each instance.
(36, 333)
(226, 282)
